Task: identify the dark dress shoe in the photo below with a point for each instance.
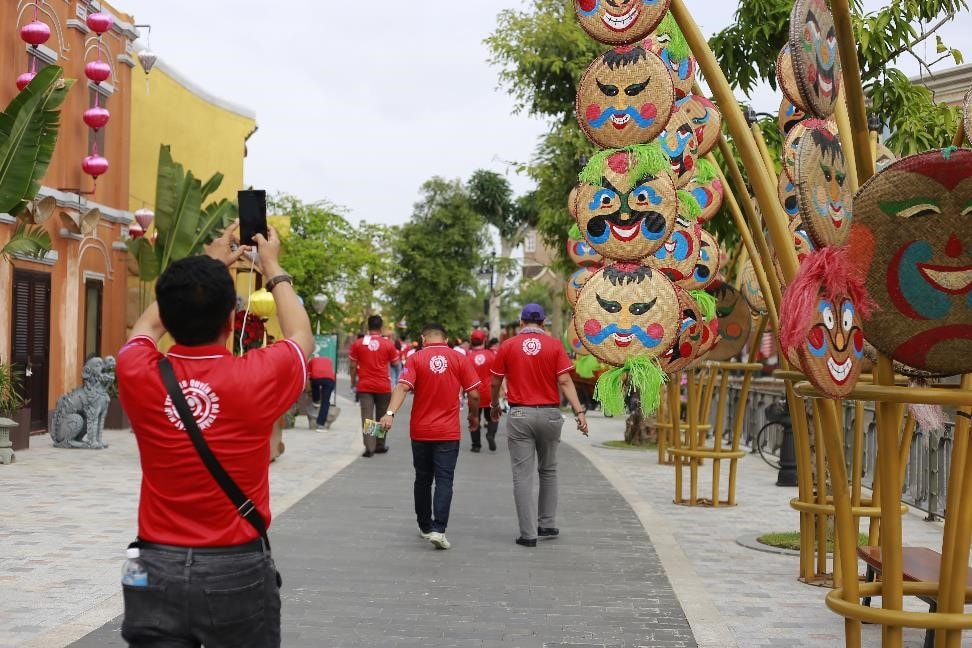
(548, 532)
(366, 454)
(491, 440)
(475, 449)
(381, 450)
(525, 542)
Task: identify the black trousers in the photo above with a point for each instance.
(491, 427)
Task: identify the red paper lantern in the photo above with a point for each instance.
(97, 71)
(94, 165)
(100, 22)
(135, 231)
(24, 80)
(96, 117)
(35, 33)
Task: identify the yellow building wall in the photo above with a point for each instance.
(205, 136)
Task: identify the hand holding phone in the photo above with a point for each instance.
(253, 214)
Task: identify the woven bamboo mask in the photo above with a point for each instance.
(749, 287)
(626, 203)
(826, 200)
(709, 195)
(625, 97)
(619, 22)
(691, 331)
(706, 119)
(735, 321)
(816, 59)
(573, 341)
(680, 144)
(677, 258)
(575, 282)
(789, 116)
(581, 253)
(668, 42)
(834, 349)
(913, 235)
(707, 267)
(627, 310)
(787, 192)
(791, 144)
(786, 78)
(968, 117)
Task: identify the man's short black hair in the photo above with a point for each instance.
(196, 296)
(375, 323)
(434, 327)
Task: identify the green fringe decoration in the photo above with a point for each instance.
(609, 391)
(690, 209)
(586, 366)
(574, 233)
(678, 47)
(706, 302)
(643, 375)
(947, 152)
(707, 172)
(649, 160)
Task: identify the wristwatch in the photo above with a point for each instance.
(390, 413)
(280, 278)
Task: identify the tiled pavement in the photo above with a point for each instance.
(357, 575)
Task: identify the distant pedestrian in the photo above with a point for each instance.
(534, 365)
(371, 356)
(482, 360)
(436, 375)
(395, 370)
(322, 380)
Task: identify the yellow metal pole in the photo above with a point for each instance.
(960, 134)
(693, 437)
(760, 140)
(717, 435)
(675, 405)
(821, 492)
(801, 437)
(853, 90)
(887, 464)
(847, 143)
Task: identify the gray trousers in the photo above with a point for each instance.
(533, 435)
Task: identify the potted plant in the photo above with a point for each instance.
(11, 401)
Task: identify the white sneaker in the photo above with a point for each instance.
(425, 535)
(439, 540)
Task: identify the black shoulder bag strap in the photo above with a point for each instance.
(244, 505)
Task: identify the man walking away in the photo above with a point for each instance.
(436, 375)
(194, 543)
(322, 379)
(482, 360)
(534, 365)
(371, 358)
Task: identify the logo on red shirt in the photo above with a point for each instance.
(203, 403)
(480, 359)
(532, 346)
(373, 344)
(438, 364)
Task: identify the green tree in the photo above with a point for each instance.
(438, 255)
(491, 197)
(28, 134)
(747, 52)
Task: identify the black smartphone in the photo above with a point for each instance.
(253, 214)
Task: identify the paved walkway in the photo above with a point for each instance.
(629, 570)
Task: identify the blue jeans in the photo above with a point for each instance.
(321, 389)
(434, 461)
(226, 600)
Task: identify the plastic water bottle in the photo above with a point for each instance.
(133, 571)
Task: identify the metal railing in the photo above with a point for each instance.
(926, 475)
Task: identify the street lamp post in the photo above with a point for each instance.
(489, 268)
(319, 303)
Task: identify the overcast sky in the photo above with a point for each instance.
(360, 103)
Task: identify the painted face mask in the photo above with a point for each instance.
(834, 348)
(787, 192)
(707, 267)
(670, 45)
(581, 253)
(816, 60)
(968, 117)
(619, 22)
(576, 282)
(677, 258)
(706, 119)
(707, 190)
(573, 342)
(913, 234)
(789, 116)
(627, 310)
(691, 331)
(625, 97)
(786, 79)
(802, 245)
(883, 157)
(791, 145)
(681, 145)
(626, 202)
(749, 287)
(826, 201)
(734, 318)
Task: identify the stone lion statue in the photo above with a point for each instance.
(79, 415)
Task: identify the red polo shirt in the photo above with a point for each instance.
(437, 375)
(482, 360)
(235, 402)
(531, 362)
(321, 368)
(373, 354)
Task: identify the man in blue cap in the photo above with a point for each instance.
(536, 368)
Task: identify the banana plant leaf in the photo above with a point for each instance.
(145, 257)
(31, 241)
(28, 134)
